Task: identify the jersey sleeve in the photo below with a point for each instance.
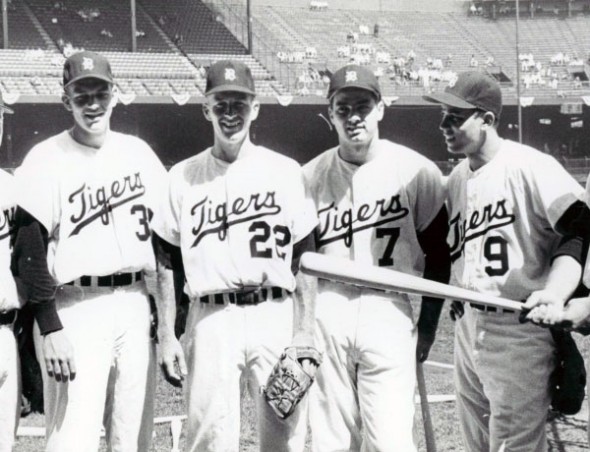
(37, 189)
(427, 195)
(304, 217)
(554, 190)
(166, 221)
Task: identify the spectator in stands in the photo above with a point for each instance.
(473, 62)
(411, 56)
(449, 60)
(473, 9)
(376, 30)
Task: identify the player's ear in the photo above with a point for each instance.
(255, 108)
(489, 118)
(207, 111)
(380, 109)
(115, 95)
(65, 99)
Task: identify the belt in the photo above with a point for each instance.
(244, 297)
(485, 308)
(8, 317)
(114, 280)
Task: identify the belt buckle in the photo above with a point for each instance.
(250, 294)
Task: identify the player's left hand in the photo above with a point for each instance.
(543, 307)
(425, 341)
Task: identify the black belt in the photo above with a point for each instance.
(114, 280)
(8, 317)
(486, 308)
(244, 297)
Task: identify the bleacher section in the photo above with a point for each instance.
(177, 40)
(193, 27)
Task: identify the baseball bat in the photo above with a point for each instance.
(350, 272)
(175, 429)
(426, 419)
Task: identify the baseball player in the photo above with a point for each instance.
(241, 216)
(379, 203)
(91, 192)
(9, 304)
(506, 203)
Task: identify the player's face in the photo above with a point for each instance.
(355, 114)
(91, 102)
(462, 129)
(231, 114)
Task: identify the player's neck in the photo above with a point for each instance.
(88, 139)
(486, 153)
(228, 151)
(358, 154)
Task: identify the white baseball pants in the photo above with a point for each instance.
(502, 370)
(363, 398)
(230, 348)
(109, 329)
(10, 390)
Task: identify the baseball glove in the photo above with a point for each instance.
(288, 382)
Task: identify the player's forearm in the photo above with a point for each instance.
(437, 267)
(165, 302)
(304, 309)
(29, 264)
(564, 277)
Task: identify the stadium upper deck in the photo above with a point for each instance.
(293, 47)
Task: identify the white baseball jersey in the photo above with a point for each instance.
(236, 223)
(96, 204)
(8, 297)
(502, 219)
(370, 213)
(586, 276)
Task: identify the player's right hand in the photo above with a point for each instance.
(457, 310)
(59, 356)
(172, 360)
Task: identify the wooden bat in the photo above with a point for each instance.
(350, 272)
(426, 419)
(175, 429)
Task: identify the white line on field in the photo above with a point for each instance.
(437, 364)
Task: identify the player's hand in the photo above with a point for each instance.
(457, 310)
(425, 341)
(59, 356)
(543, 297)
(172, 360)
(309, 366)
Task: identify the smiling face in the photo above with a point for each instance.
(356, 113)
(91, 102)
(462, 129)
(231, 114)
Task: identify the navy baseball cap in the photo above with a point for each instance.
(354, 76)
(228, 75)
(471, 89)
(86, 64)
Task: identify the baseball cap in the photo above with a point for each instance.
(471, 89)
(228, 75)
(86, 64)
(354, 76)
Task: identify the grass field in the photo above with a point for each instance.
(565, 435)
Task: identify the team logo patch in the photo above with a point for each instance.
(230, 74)
(351, 76)
(87, 64)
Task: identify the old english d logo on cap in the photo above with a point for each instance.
(84, 65)
(229, 75)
